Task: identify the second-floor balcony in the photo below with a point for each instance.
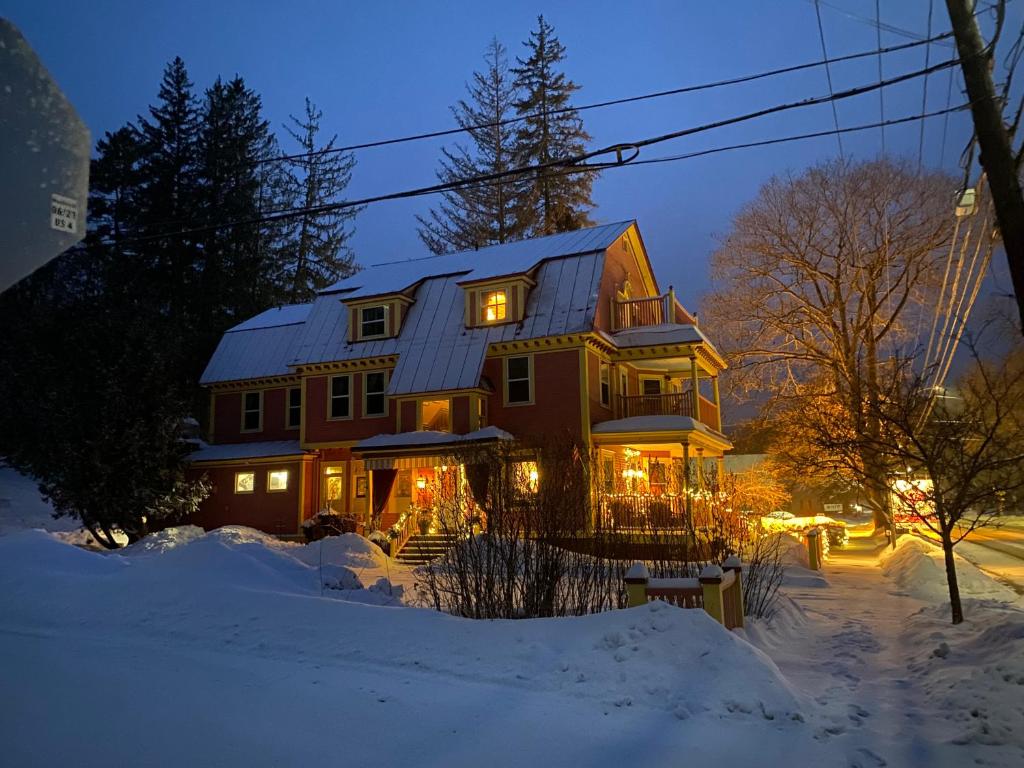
(647, 311)
(669, 404)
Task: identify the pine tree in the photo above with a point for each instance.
(560, 202)
(169, 188)
(237, 272)
(316, 250)
(472, 217)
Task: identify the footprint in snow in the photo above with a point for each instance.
(865, 758)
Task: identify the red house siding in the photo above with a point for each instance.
(556, 395)
(408, 415)
(460, 414)
(227, 418)
(319, 429)
(276, 513)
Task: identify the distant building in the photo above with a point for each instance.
(351, 402)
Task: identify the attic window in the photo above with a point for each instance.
(372, 321)
(493, 307)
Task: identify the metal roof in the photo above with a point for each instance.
(436, 352)
(480, 264)
(229, 451)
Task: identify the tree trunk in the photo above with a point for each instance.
(954, 588)
(996, 151)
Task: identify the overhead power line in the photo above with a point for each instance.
(828, 78)
(614, 102)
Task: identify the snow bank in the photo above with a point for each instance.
(973, 673)
(918, 569)
(209, 592)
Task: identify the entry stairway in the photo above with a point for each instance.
(424, 548)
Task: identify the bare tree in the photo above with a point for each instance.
(824, 277)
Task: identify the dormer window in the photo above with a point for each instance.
(495, 302)
(373, 321)
(494, 308)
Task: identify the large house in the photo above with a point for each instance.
(351, 403)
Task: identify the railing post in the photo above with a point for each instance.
(711, 585)
(636, 585)
(670, 306)
(814, 549)
(732, 563)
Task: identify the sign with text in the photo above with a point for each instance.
(63, 214)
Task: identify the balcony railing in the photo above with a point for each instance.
(648, 310)
(670, 404)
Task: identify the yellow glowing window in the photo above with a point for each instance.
(493, 306)
(277, 480)
(245, 482)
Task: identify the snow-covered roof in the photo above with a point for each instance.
(480, 264)
(436, 352)
(261, 346)
(427, 438)
(654, 424)
(229, 451)
(650, 335)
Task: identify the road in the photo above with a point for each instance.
(997, 551)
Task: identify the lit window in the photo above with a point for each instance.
(277, 480)
(245, 482)
(517, 380)
(374, 385)
(294, 407)
(435, 415)
(527, 475)
(606, 384)
(341, 398)
(252, 411)
(372, 322)
(493, 307)
(334, 487)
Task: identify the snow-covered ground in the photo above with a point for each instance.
(21, 505)
(232, 648)
(218, 649)
(894, 682)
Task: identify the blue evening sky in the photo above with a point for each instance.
(386, 69)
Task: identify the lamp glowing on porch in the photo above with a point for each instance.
(421, 482)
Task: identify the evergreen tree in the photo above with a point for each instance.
(481, 215)
(238, 275)
(168, 190)
(560, 202)
(316, 250)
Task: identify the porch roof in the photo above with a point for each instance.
(660, 428)
(230, 451)
(425, 439)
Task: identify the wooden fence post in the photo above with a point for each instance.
(814, 549)
(636, 585)
(732, 563)
(711, 584)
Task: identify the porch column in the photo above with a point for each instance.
(720, 461)
(686, 484)
(718, 401)
(695, 381)
(700, 469)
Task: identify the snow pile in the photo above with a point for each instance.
(212, 594)
(973, 673)
(22, 506)
(159, 542)
(918, 569)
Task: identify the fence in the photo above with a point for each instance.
(718, 590)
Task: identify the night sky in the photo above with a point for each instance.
(387, 69)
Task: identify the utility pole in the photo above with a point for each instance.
(993, 138)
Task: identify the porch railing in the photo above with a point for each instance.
(648, 310)
(668, 404)
(642, 512)
(709, 413)
(718, 590)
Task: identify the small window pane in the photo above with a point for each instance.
(372, 321)
(519, 367)
(294, 407)
(251, 411)
(606, 384)
(374, 383)
(519, 391)
(245, 482)
(493, 307)
(652, 386)
(340, 389)
(277, 480)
